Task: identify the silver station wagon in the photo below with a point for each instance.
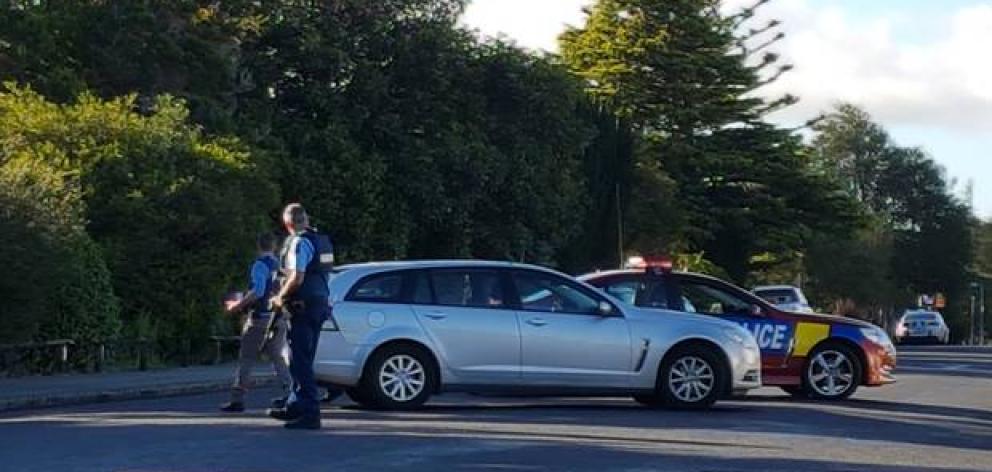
(402, 331)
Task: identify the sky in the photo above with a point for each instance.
(921, 68)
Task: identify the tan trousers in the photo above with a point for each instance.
(277, 350)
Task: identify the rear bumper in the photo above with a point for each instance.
(336, 362)
(920, 338)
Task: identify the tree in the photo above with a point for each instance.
(687, 80)
(172, 210)
(185, 48)
(435, 145)
(57, 283)
(928, 231)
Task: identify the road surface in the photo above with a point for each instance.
(937, 418)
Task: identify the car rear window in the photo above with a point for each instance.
(468, 288)
(778, 296)
(386, 287)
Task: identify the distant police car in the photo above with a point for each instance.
(784, 297)
(811, 355)
(922, 325)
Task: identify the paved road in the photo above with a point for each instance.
(939, 417)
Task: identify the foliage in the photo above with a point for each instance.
(436, 146)
(921, 237)
(685, 77)
(57, 284)
(170, 208)
(116, 48)
(149, 140)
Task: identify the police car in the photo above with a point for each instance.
(809, 355)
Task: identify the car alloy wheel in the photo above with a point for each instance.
(691, 379)
(831, 373)
(397, 377)
(402, 378)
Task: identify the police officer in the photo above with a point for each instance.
(304, 295)
(256, 327)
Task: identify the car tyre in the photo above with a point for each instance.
(691, 378)
(355, 395)
(650, 400)
(833, 371)
(397, 377)
(797, 391)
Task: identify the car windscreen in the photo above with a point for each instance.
(778, 296)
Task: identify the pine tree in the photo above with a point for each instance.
(689, 80)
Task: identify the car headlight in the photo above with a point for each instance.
(740, 337)
(876, 335)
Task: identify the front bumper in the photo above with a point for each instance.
(746, 363)
(880, 364)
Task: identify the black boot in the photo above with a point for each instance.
(304, 422)
(279, 403)
(233, 407)
(284, 414)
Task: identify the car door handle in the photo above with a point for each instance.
(437, 315)
(537, 322)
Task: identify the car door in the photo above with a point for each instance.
(775, 335)
(565, 341)
(463, 312)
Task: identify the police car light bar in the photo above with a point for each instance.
(662, 264)
(636, 262)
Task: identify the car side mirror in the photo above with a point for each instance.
(604, 309)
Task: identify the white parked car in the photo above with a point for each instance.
(403, 331)
(922, 326)
(784, 297)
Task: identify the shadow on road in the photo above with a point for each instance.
(855, 419)
(914, 408)
(426, 441)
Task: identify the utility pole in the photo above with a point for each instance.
(971, 320)
(981, 314)
(620, 258)
(977, 324)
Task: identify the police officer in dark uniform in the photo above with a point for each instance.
(304, 296)
(257, 325)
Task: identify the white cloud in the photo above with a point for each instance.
(945, 82)
(839, 56)
(534, 24)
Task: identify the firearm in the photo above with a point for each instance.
(285, 311)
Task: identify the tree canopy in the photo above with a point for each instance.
(686, 78)
(143, 143)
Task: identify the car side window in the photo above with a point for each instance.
(654, 294)
(624, 290)
(468, 288)
(381, 288)
(709, 300)
(422, 294)
(549, 293)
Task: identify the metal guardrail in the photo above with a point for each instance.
(23, 353)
